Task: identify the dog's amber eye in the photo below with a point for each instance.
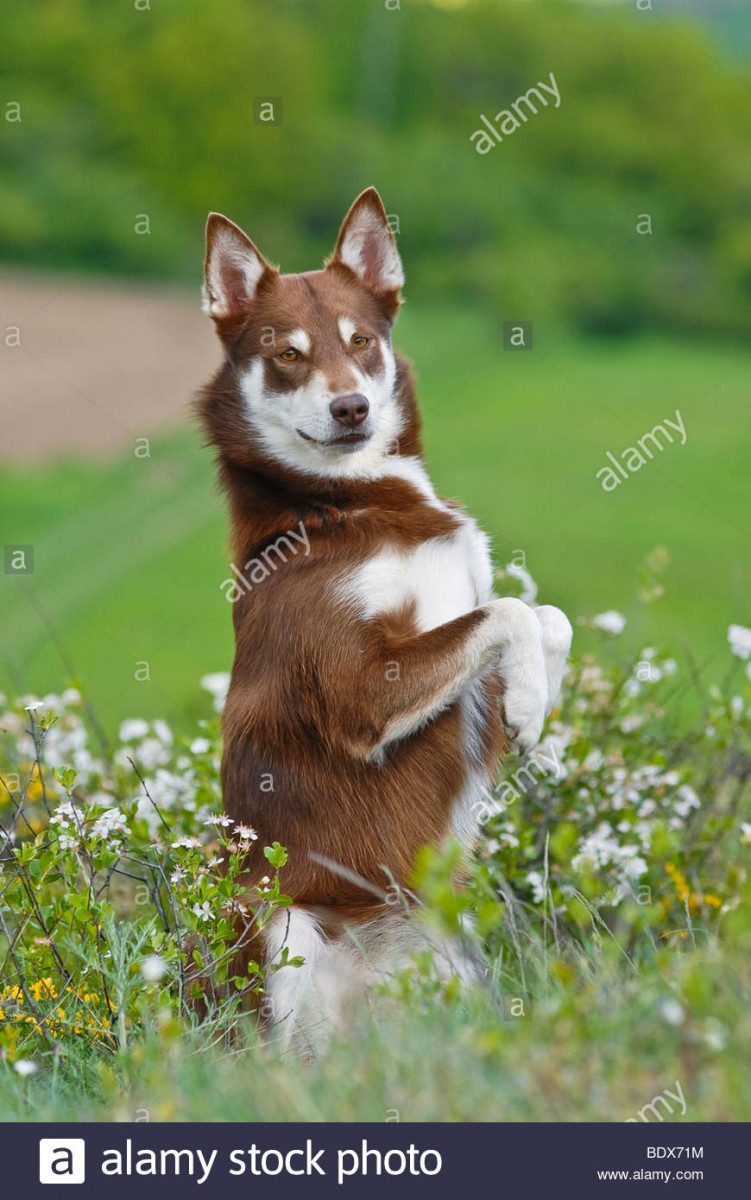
(359, 341)
(290, 354)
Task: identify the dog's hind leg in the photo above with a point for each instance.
(304, 1003)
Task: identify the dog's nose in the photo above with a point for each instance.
(350, 410)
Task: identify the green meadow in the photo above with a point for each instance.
(129, 553)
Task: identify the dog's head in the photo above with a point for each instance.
(311, 353)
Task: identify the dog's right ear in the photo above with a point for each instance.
(233, 269)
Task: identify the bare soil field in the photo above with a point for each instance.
(88, 367)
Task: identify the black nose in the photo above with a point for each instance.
(350, 410)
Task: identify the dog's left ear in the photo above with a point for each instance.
(367, 247)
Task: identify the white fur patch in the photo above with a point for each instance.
(347, 329)
(300, 340)
(366, 238)
(444, 576)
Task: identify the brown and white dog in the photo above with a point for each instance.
(376, 679)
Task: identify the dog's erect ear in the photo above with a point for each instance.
(366, 245)
(233, 269)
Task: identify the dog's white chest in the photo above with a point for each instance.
(443, 577)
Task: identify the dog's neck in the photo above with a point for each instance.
(267, 497)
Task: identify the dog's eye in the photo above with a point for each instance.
(359, 341)
(289, 355)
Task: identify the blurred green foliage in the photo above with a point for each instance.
(145, 107)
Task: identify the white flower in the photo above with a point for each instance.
(631, 723)
(535, 881)
(153, 967)
(672, 1012)
(200, 745)
(67, 842)
(634, 866)
(65, 814)
(218, 686)
(162, 731)
(151, 753)
(746, 834)
(739, 637)
(714, 1034)
(71, 696)
(202, 911)
(186, 843)
(111, 823)
(32, 707)
(687, 799)
(133, 729)
(25, 1066)
(594, 760)
(610, 621)
(219, 820)
(246, 834)
(13, 723)
(529, 587)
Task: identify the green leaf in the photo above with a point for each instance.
(65, 776)
(276, 854)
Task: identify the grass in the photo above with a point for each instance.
(597, 1043)
(129, 554)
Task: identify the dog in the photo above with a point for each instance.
(376, 680)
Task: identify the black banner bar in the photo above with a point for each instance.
(582, 1160)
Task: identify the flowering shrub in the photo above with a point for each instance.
(121, 881)
(616, 806)
(625, 802)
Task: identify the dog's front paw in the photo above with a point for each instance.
(556, 644)
(524, 712)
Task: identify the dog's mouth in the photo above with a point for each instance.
(345, 441)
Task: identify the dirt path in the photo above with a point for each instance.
(98, 365)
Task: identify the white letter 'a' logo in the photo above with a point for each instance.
(62, 1160)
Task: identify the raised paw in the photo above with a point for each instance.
(524, 712)
(556, 644)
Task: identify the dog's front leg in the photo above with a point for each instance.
(411, 680)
